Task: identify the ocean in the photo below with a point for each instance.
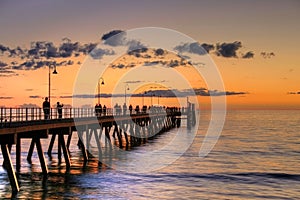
(257, 156)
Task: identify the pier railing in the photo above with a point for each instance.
(9, 115)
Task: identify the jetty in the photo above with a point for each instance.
(127, 129)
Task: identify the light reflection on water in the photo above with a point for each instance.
(256, 157)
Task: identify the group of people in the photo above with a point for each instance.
(47, 111)
(118, 109)
(99, 110)
(138, 110)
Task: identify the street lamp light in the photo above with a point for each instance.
(49, 86)
(99, 85)
(126, 88)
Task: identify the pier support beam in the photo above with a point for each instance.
(44, 167)
(10, 169)
(82, 146)
(18, 154)
(37, 141)
(51, 145)
(65, 150)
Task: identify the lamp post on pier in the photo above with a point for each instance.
(49, 85)
(99, 85)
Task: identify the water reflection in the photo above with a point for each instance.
(257, 156)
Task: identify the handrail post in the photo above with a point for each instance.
(32, 113)
(1, 117)
(26, 114)
(10, 114)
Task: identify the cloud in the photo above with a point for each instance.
(229, 93)
(29, 89)
(194, 48)
(98, 53)
(249, 54)
(137, 52)
(118, 66)
(208, 47)
(117, 40)
(6, 97)
(67, 48)
(267, 54)
(6, 72)
(177, 63)
(87, 48)
(110, 34)
(159, 52)
(40, 52)
(85, 96)
(42, 49)
(294, 92)
(3, 64)
(133, 82)
(29, 105)
(135, 45)
(35, 97)
(3, 48)
(189, 92)
(206, 92)
(228, 49)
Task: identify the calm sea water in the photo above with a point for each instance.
(257, 157)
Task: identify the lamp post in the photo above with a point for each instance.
(49, 85)
(126, 88)
(99, 85)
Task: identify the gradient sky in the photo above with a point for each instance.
(270, 26)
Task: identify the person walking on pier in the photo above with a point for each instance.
(96, 110)
(46, 108)
(137, 109)
(104, 110)
(100, 110)
(59, 109)
(130, 109)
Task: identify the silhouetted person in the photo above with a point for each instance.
(130, 109)
(100, 110)
(104, 110)
(46, 108)
(96, 110)
(144, 109)
(137, 109)
(59, 109)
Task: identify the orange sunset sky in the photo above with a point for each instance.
(254, 45)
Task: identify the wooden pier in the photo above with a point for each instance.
(127, 130)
